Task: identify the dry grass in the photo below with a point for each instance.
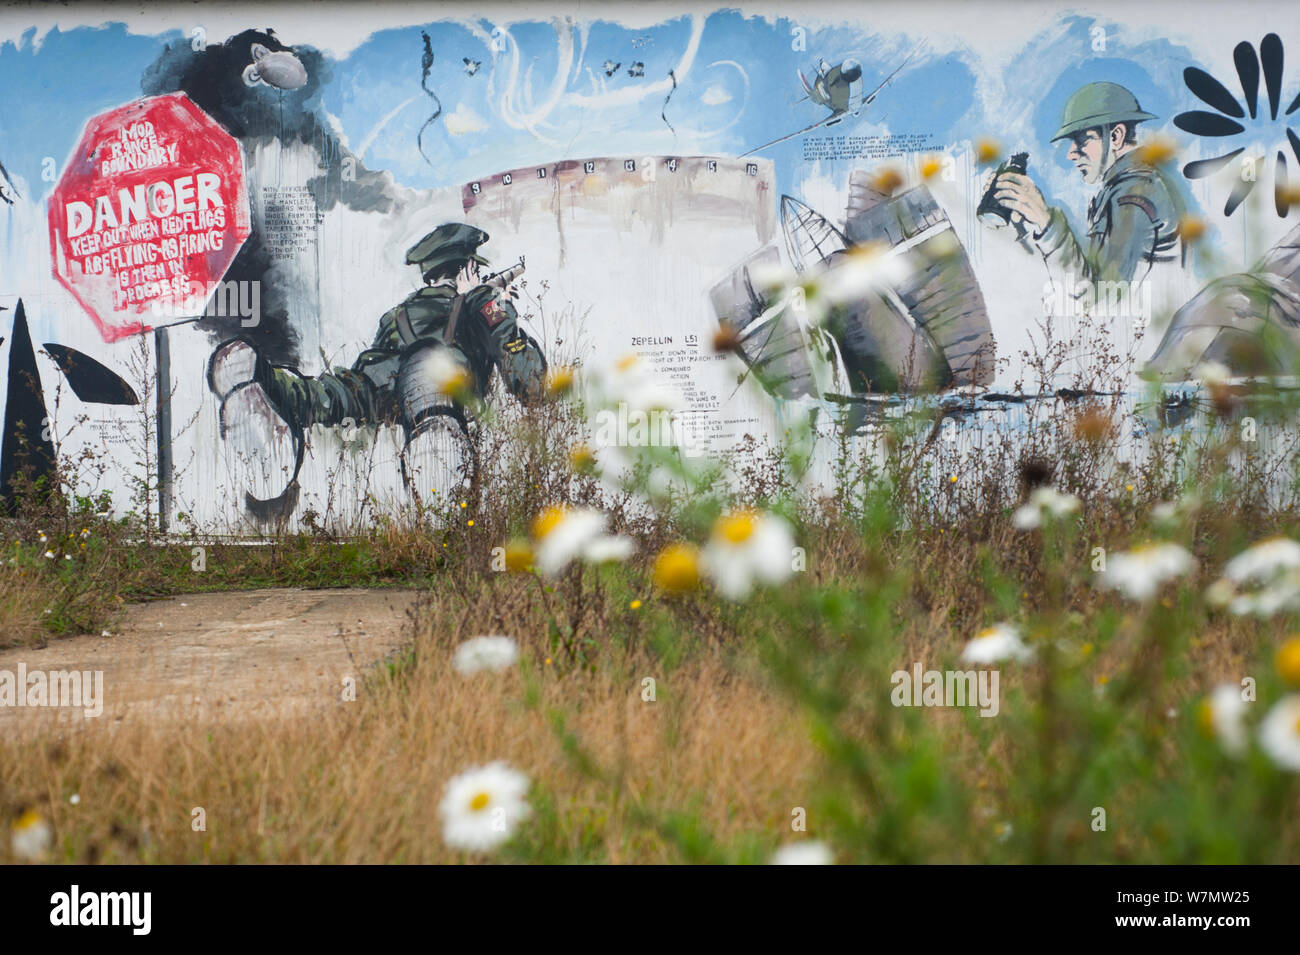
(361, 781)
(734, 741)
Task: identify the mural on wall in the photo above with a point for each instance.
(297, 247)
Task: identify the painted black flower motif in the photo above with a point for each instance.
(1223, 124)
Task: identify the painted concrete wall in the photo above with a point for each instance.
(216, 207)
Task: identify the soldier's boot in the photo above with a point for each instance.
(263, 450)
(438, 459)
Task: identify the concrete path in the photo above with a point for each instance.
(248, 655)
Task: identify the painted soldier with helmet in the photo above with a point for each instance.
(441, 344)
(1134, 218)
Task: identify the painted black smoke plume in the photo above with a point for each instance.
(255, 115)
(426, 66)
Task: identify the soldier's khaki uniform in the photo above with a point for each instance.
(487, 337)
(1132, 224)
(385, 383)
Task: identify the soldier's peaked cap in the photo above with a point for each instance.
(447, 244)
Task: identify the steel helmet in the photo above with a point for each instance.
(1099, 104)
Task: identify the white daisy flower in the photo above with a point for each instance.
(633, 383)
(1279, 734)
(1166, 512)
(772, 277)
(1171, 512)
(450, 377)
(1220, 593)
(1044, 502)
(745, 548)
(1139, 573)
(859, 271)
(1264, 561)
(808, 852)
(1281, 594)
(485, 653)
(1212, 373)
(31, 837)
(564, 535)
(483, 806)
(609, 549)
(1223, 715)
(847, 278)
(1268, 575)
(993, 644)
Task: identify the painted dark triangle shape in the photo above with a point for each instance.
(1248, 72)
(1207, 167)
(1199, 122)
(25, 454)
(1280, 201)
(91, 381)
(1211, 92)
(1270, 53)
(1238, 195)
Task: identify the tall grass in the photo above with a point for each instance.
(770, 719)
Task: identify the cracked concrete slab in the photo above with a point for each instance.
(249, 655)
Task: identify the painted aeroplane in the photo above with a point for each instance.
(838, 87)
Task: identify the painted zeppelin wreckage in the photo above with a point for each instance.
(922, 327)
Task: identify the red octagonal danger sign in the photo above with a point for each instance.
(148, 214)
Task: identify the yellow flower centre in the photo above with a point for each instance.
(986, 150)
(1190, 228)
(27, 820)
(519, 557)
(479, 802)
(1288, 661)
(456, 382)
(677, 568)
(931, 167)
(627, 362)
(581, 457)
(1205, 717)
(888, 180)
(547, 521)
(1156, 151)
(560, 380)
(737, 528)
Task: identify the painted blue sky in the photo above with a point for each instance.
(542, 92)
